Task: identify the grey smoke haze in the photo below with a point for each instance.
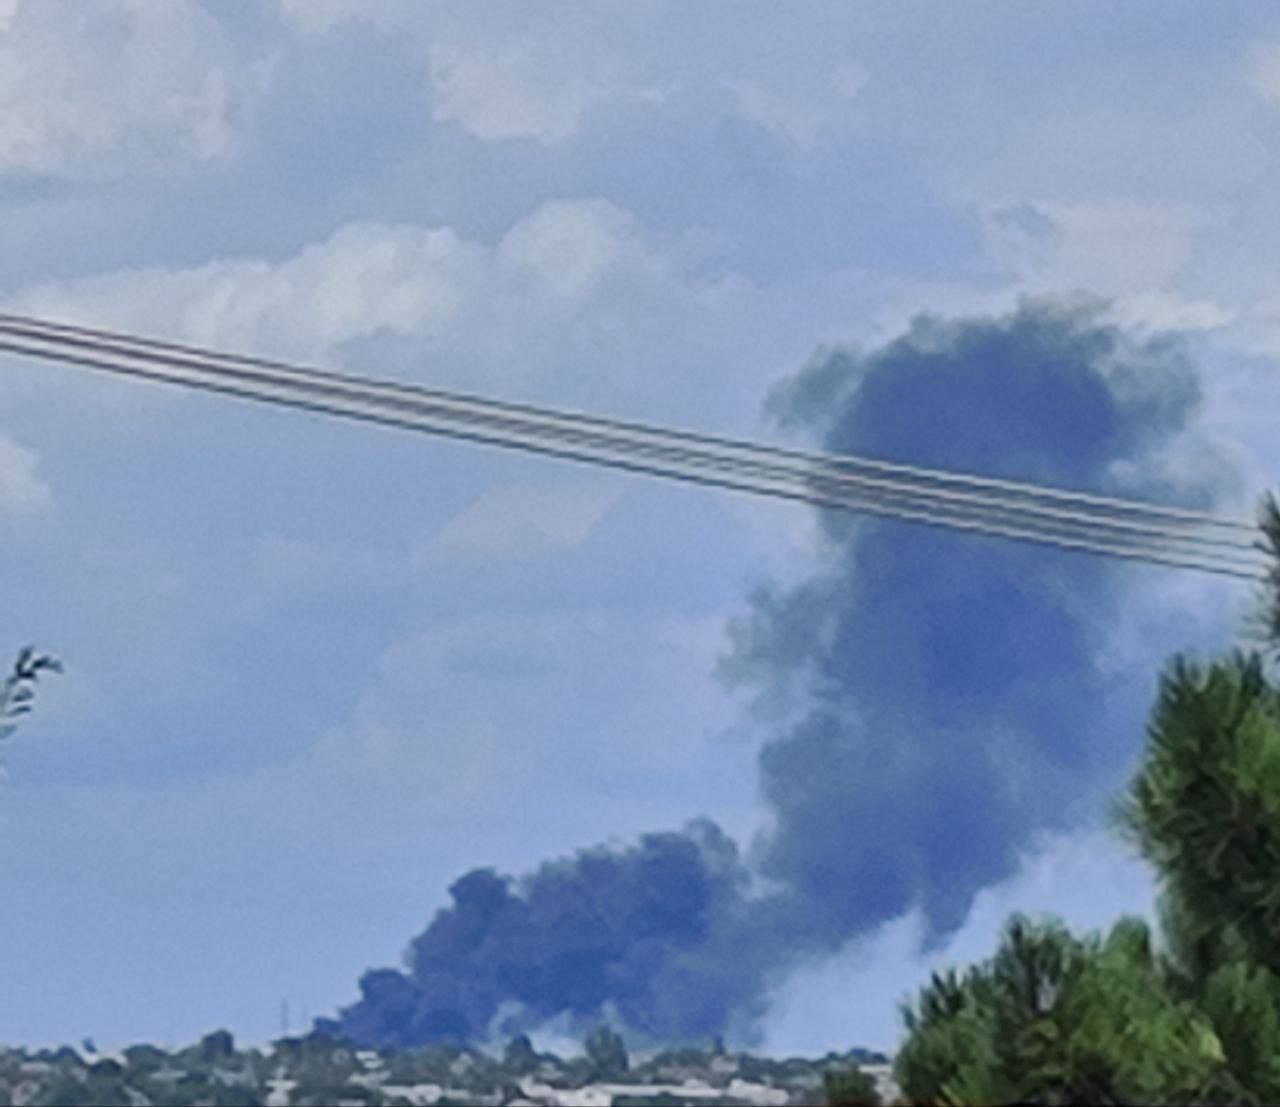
(937, 702)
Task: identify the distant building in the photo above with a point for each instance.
(886, 1085)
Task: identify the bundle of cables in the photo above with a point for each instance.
(1108, 526)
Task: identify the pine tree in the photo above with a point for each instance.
(1054, 1019)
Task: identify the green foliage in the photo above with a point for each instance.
(1268, 621)
(1053, 1019)
(18, 689)
(236, 1095)
(1242, 1002)
(949, 1055)
(1132, 1039)
(1204, 808)
(999, 1032)
(849, 1087)
(520, 1056)
(69, 1092)
(1194, 948)
(217, 1046)
(606, 1053)
(145, 1058)
(191, 1087)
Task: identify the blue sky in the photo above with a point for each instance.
(315, 672)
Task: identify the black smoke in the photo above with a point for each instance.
(937, 701)
(948, 699)
(639, 932)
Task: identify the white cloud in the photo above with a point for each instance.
(323, 16)
(514, 90)
(1258, 326)
(1263, 68)
(577, 303)
(507, 74)
(107, 88)
(542, 88)
(513, 522)
(568, 246)
(21, 488)
(364, 278)
(800, 115)
(789, 120)
(1106, 247)
(1162, 309)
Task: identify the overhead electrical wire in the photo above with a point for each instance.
(843, 462)
(1108, 521)
(1136, 530)
(206, 361)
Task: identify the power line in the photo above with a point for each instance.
(209, 362)
(1149, 555)
(1014, 502)
(666, 445)
(138, 345)
(1156, 555)
(1131, 529)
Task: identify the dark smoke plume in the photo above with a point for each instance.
(938, 702)
(640, 932)
(949, 701)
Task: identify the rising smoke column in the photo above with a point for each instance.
(939, 702)
(947, 697)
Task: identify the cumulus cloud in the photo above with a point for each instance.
(1110, 247)
(22, 490)
(104, 89)
(569, 246)
(364, 278)
(517, 90)
(1165, 310)
(524, 520)
(567, 305)
(802, 112)
(506, 77)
